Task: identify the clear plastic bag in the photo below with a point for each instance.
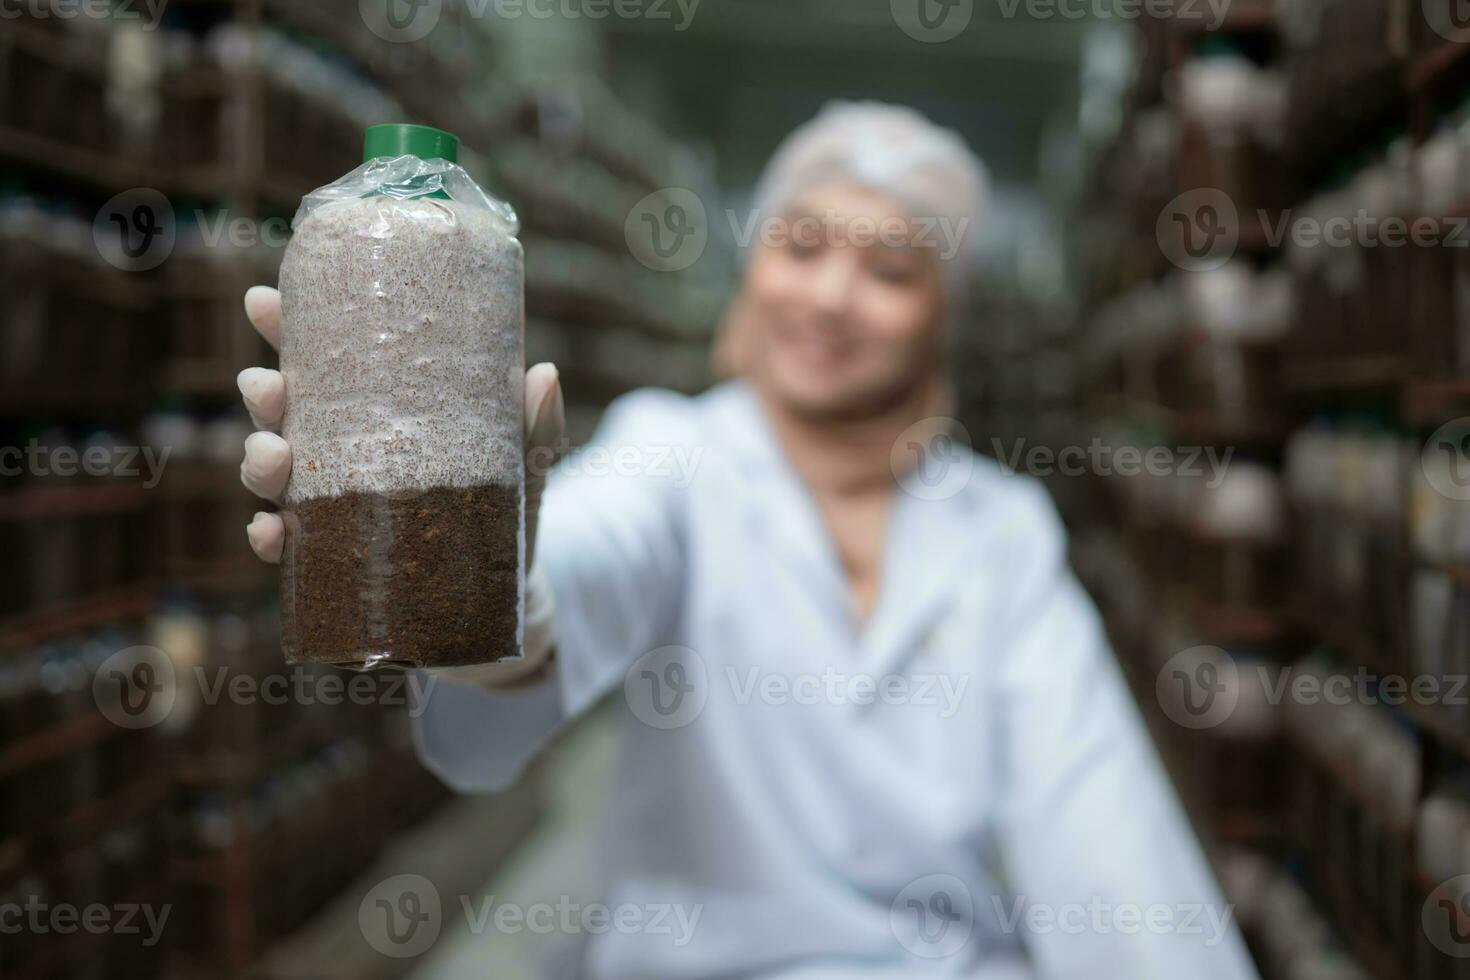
(408, 178)
(402, 352)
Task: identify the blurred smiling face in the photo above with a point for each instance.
(845, 316)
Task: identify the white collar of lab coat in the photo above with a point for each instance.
(928, 549)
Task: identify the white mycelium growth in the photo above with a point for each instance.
(401, 348)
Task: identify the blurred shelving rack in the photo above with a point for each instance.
(1327, 827)
(572, 156)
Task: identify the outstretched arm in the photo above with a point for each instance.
(607, 587)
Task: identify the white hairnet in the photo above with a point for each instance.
(896, 151)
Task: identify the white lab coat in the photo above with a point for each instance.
(798, 824)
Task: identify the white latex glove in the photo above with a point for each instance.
(267, 467)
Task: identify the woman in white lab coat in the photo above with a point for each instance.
(872, 726)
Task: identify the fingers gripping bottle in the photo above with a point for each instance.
(401, 346)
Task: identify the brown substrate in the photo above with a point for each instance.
(427, 578)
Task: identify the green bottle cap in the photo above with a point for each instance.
(404, 139)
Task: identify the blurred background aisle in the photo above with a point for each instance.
(1252, 407)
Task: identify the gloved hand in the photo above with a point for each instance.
(267, 467)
